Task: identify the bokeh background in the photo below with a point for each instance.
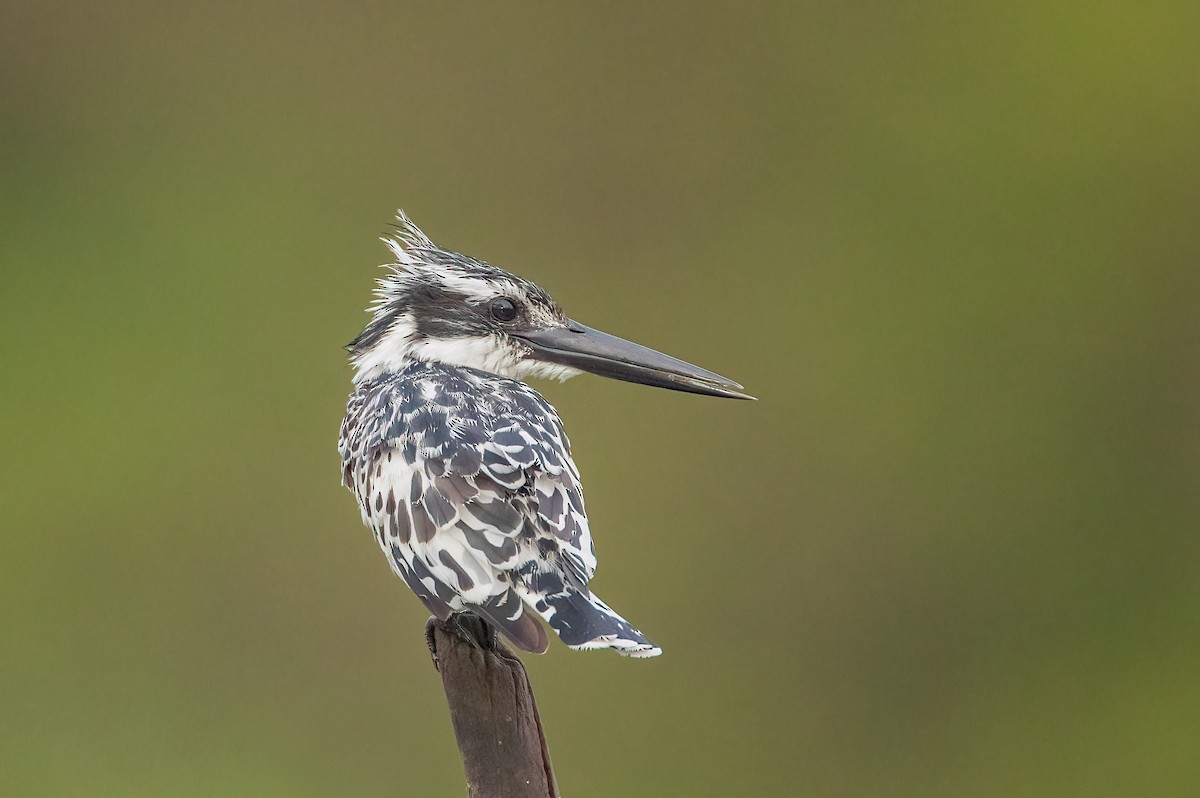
(953, 248)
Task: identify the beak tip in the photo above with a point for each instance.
(726, 389)
(734, 390)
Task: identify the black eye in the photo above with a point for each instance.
(503, 309)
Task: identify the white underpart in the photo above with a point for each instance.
(545, 371)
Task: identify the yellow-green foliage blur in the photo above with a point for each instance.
(952, 247)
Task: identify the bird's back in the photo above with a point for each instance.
(467, 480)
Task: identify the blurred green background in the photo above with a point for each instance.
(952, 551)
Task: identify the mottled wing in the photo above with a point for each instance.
(474, 495)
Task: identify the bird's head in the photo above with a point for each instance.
(445, 307)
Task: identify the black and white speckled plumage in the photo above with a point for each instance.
(467, 481)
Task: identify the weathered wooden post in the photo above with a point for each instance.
(492, 709)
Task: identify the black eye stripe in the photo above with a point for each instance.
(503, 309)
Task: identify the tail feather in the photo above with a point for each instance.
(507, 614)
(583, 621)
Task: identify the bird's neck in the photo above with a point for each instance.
(399, 349)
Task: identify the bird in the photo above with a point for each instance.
(463, 471)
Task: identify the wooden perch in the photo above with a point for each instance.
(492, 709)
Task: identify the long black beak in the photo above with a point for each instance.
(600, 353)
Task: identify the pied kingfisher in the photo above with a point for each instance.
(463, 472)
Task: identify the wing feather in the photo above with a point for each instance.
(471, 493)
